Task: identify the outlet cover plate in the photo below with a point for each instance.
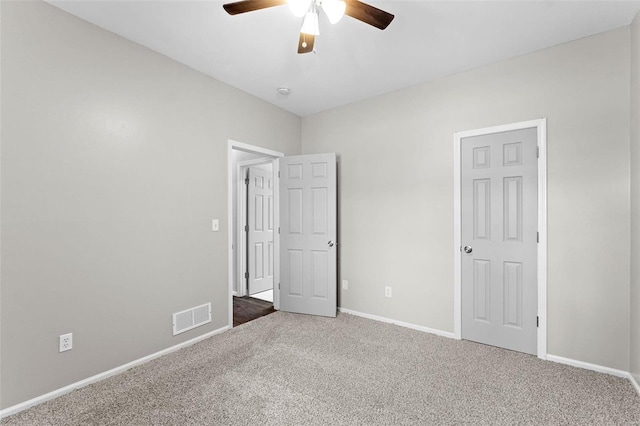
(66, 342)
(387, 292)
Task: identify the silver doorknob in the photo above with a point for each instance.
(467, 249)
(331, 243)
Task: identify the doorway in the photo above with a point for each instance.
(500, 271)
(255, 229)
(243, 158)
(304, 230)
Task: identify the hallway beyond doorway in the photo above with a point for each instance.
(247, 309)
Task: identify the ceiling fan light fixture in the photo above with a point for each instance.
(334, 9)
(299, 7)
(310, 9)
(310, 23)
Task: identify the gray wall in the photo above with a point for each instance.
(113, 165)
(635, 198)
(396, 189)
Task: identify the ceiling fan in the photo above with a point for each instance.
(334, 9)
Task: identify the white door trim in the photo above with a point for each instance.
(239, 146)
(541, 126)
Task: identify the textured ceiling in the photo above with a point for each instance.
(256, 52)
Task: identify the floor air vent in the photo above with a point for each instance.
(191, 318)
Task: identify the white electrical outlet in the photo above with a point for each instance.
(345, 285)
(387, 292)
(66, 342)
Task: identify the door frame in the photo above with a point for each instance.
(239, 146)
(541, 127)
(241, 213)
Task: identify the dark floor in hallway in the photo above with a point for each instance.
(247, 309)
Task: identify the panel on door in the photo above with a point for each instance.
(499, 239)
(260, 230)
(308, 230)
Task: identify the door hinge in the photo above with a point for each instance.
(246, 228)
(278, 173)
(278, 286)
(246, 181)
(278, 229)
(537, 321)
(537, 237)
(537, 152)
(246, 275)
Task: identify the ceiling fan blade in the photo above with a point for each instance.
(307, 40)
(368, 14)
(251, 5)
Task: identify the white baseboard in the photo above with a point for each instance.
(400, 323)
(553, 358)
(588, 366)
(101, 376)
(597, 368)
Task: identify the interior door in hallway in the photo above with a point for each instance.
(499, 239)
(260, 230)
(308, 231)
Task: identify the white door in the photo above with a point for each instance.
(260, 230)
(308, 230)
(499, 239)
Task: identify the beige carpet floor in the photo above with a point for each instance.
(286, 369)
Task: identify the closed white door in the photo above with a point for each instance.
(499, 239)
(260, 252)
(308, 230)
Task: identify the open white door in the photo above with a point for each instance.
(260, 230)
(308, 231)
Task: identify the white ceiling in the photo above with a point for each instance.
(256, 51)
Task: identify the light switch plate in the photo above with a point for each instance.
(215, 225)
